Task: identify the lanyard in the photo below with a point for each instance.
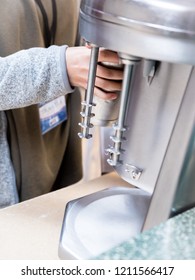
(49, 33)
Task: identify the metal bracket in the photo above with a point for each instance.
(133, 171)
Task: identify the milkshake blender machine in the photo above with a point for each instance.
(152, 145)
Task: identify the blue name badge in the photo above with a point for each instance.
(52, 113)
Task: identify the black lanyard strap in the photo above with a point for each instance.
(49, 34)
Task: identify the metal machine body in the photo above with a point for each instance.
(152, 146)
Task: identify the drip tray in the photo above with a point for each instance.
(98, 222)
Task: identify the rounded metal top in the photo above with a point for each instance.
(165, 16)
(157, 29)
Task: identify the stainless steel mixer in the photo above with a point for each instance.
(152, 146)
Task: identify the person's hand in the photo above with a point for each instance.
(108, 80)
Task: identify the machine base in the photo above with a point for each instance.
(98, 222)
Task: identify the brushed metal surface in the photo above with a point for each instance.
(150, 118)
(154, 153)
(161, 30)
(97, 222)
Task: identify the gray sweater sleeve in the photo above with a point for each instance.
(32, 76)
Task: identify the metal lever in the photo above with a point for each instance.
(119, 127)
(149, 70)
(88, 103)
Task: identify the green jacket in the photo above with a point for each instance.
(42, 163)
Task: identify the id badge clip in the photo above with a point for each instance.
(52, 113)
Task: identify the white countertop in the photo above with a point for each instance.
(31, 229)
